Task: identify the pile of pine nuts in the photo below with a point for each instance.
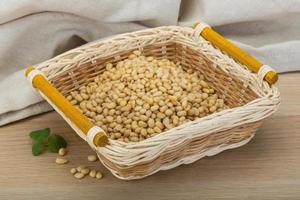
(142, 96)
(80, 171)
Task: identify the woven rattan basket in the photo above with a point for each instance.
(244, 83)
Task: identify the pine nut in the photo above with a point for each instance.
(93, 158)
(99, 175)
(93, 173)
(62, 151)
(85, 171)
(79, 175)
(61, 161)
(73, 170)
(80, 167)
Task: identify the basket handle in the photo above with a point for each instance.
(243, 57)
(95, 135)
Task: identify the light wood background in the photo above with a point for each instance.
(268, 167)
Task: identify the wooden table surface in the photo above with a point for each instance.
(268, 167)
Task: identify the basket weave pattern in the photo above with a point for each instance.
(249, 97)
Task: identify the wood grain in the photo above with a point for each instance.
(266, 168)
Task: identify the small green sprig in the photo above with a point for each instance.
(43, 139)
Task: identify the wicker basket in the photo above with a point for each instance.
(244, 83)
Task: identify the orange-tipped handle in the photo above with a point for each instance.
(70, 111)
(235, 52)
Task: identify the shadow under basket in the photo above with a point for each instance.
(249, 97)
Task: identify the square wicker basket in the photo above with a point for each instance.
(244, 83)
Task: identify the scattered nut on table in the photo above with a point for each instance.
(62, 151)
(61, 161)
(80, 167)
(82, 171)
(92, 158)
(99, 175)
(79, 175)
(85, 171)
(73, 170)
(93, 173)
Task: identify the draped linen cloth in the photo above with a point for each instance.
(33, 31)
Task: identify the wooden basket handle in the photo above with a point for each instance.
(243, 57)
(41, 83)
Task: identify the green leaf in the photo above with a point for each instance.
(37, 148)
(40, 136)
(55, 142)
